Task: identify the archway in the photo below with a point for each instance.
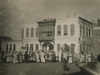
(48, 46)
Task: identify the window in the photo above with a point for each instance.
(37, 32)
(81, 50)
(14, 47)
(27, 47)
(27, 32)
(66, 47)
(83, 30)
(31, 47)
(58, 30)
(72, 48)
(84, 48)
(65, 30)
(22, 33)
(32, 32)
(6, 47)
(10, 47)
(80, 29)
(72, 28)
(58, 47)
(89, 32)
(98, 37)
(37, 47)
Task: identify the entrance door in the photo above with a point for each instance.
(48, 46)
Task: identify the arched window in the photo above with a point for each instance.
(58, 47)
(32, 32)
(6, 47)
(14, 47)
(65, 30)
(81, 30)
(27, 32)
(58, 30)
(31, 47)
(72, 29)
(27, 47)
(10, 47)
(37, 32)
(72, 48)
(87, 32)
(66, 47)
(37, 47)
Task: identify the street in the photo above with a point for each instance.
(37, 69)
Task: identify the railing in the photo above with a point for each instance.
(46, 38)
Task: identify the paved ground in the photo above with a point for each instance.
(37, 69)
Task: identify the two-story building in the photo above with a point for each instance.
(52, 34)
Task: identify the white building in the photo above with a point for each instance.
(50, 34)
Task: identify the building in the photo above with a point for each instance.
(74, 35)
(96, 36)
(52, 34)
(11, 45)
(3, 38)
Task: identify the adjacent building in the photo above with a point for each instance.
(96, 36)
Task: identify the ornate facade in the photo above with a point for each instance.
(50, 34)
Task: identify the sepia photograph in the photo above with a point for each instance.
(49, 37)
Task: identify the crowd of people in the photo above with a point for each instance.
(48, 56)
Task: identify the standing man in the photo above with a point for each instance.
(65, 61)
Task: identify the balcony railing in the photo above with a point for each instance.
(46, 38)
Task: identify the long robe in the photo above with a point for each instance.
(42, 57)
(70, 57)
(60, 56)
(15, 59)
(89, 58)
(37, 57)
(20, 58)
(82, 59)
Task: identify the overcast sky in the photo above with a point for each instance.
(13, 13)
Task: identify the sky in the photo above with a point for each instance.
(14, 13)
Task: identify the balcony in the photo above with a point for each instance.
(46, 38)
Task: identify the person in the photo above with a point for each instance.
(42, 55)
(0, 57)
(33, 55)
(89, 58)
(15, 58)
(8, 56)
(20, 57)
(4, 56)
(82, 58)
(46, 56)
(50, 57)
(57, 57)
(26, 56)
(73, 58)
(59, 54)
(86, 59)
(11, 56)
(65, 61)
(37, 56)
(70, 57)
(77, 59)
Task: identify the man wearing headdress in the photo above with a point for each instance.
(37, 54)
(42, 55)
(15, 58)
(65, 61)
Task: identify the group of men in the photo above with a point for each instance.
(49, 56)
